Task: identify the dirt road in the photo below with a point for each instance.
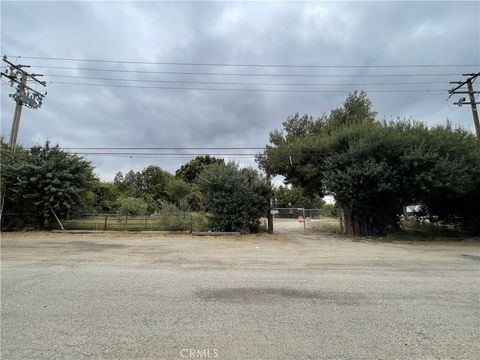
(286, 296)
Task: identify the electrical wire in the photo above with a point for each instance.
(246, 90)
(242, 74)
(244, 65)
(162, 148)
(242, 83)
(162, 154)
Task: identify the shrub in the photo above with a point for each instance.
(236, 198)
(171, 218)
(129, 205)
(43, 180)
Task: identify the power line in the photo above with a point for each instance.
(242, 83)
(245, 90)
(244, 65)
(243, 74)
(162, 148)
(177, 151)
(166, 156)
(163, 154)
(187, 155)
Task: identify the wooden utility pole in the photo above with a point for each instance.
(16, 117)
(471, 93)
(474, 106)
(25, 95)
(269, 215)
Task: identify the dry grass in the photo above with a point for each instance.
(324, 224)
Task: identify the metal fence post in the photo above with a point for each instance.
(304, 220)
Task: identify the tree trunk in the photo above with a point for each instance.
(353, 224)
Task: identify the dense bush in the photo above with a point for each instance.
(236, 198)
(40, 181)
(129, 205)
(171, 218)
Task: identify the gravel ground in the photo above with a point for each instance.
(286, 296)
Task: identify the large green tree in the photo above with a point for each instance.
(41, 181)
(375, 168)
(105, 196)
(150, 184)
(190, 171)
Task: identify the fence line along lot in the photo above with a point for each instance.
(106, 222)
(289, 295)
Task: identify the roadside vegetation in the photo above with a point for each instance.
(45, 182)
(375, 168)
(372, 168)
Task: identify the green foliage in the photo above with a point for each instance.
(374, 168)
(190, 171)
(201, 221)
(193, 201)
(105, 196)
(43, 179)
(331, 210)
(172, 218)
(153, 181)
(129, 205)
(149, 184)
(156, 186)
(236, 198)
(285, 197)
(177, 190)
(447, 174)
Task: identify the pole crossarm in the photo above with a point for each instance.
(19, 68)
(471, 94)
(15, 80)
(462, 83)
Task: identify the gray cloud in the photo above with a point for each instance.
(296, 33)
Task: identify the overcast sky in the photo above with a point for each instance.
(334, 33)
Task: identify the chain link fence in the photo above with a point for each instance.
(301, 219)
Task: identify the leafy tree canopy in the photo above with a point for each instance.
(190, 171)
(236, 198)
(375, 168)
(150, 184)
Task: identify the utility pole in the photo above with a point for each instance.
(269, 215)
(16, 117)
(462, 101)
(25, 95)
